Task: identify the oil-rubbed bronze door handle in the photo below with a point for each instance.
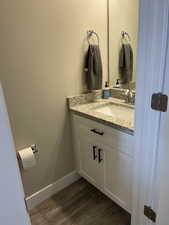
(94, 152)
(97, 132)
(100, 157)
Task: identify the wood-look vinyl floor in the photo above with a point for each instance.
(79, 204)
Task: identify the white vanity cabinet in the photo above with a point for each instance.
(104, 156)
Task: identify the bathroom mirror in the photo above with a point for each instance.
(123, 19)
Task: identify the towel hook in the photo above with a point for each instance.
(124, 34)
(89, 35)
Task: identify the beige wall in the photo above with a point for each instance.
(123, 16)
(41, 56)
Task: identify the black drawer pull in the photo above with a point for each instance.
(94, 153)
(100, 158)
(97, 132)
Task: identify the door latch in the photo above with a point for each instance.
(149, 213)
(159, 102)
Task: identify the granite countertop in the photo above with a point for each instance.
(122, 120)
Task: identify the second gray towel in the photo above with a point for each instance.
(126, 63)
(94, 68)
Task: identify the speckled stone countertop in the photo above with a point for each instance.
(123, 120)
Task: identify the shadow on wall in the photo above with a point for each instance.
(62, 148)
(54, 160)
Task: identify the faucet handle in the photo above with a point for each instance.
(129, 96)
(131, 93)
(126, 92)
(126, 95)
(132, 97)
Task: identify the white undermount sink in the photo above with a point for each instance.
(115, 110)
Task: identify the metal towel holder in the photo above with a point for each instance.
(90, 33)
(124, 34)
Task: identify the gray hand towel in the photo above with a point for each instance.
(94, 68)
(126, 63)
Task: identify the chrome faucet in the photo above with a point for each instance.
(129, 96)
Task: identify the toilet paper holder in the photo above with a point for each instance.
(34, 148)
(26, 157)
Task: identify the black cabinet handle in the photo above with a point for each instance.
(94, 153)
(97, 132)
(100, 158)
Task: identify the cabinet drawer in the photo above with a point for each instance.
(104, 134)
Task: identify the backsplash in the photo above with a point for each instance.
(90, 97)
(117, 93)
(79, 99)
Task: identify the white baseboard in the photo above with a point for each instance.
(50, 190)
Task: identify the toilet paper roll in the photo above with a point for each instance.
(27, 158)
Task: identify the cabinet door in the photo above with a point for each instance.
(118, 177)
(91, 161)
